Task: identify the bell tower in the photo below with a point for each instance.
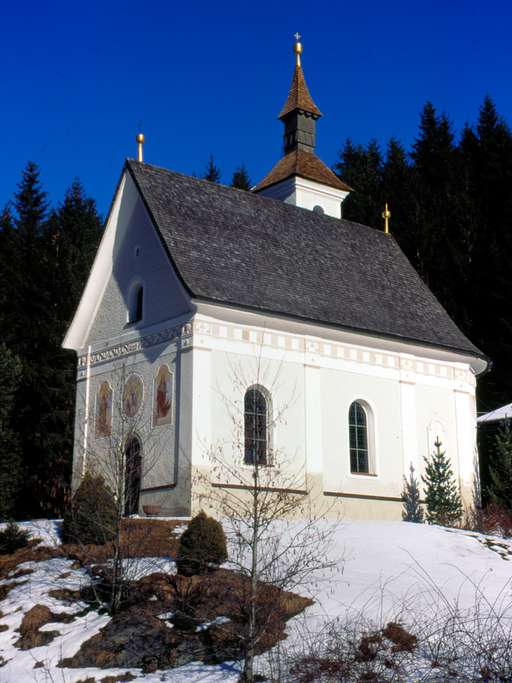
(299, 113)
(300, 177)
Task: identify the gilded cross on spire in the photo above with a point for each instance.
(297, 48)
(386, 215)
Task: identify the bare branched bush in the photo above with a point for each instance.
(442, 641)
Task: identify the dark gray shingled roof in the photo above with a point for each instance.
(234, 247)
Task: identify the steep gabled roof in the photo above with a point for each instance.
(299, 96)
(236, 248)
(304, 164)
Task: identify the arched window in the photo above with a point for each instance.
(136, 302)
(256, 426)
(359, 442)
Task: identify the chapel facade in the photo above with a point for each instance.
(264, 326)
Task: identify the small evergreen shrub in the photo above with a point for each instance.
(412, 512)
(202, 546)
(12, 538)
(442, 496)
(91, 517)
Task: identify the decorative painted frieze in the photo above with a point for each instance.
(198, 330)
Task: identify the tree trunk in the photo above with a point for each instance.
(248, 674)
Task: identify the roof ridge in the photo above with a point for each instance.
(261, 197)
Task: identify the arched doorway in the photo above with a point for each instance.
(132, 476)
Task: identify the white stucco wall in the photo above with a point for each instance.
(314, 381)
(307, 194)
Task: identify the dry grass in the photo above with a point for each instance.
(32, 553)
(37, 616)
(139, 538)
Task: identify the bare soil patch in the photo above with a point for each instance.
(174, 620)
(7, 587)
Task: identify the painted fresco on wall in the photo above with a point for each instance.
(132, 395)
(163, 397)
(104, 410)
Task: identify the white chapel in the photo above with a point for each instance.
(264, 324)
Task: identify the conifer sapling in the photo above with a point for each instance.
(412, 512)
(441, 492)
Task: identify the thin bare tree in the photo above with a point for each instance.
(124, 452)
(279, 534)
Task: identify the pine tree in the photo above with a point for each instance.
(412, 512)
(212, 171)
(29, 321)
(397, 184)
(501, 467)
(491, 277)
(361, 168)
(29, 286)
(70, 241)
(73, 234)
(7, 271)
(241, 178)
(10, 456)
(442, 497)
(51, 258)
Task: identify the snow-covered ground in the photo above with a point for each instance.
(386, 571)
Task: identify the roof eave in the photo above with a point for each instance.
(477, 354)
(345, 188)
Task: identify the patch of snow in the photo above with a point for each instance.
(136, 568)
(166, 615)
(47, 530)
(217, 621)
(387, 571)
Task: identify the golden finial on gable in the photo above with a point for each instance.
(386, 215)
(140, 144)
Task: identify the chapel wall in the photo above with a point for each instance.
(410, 399)
(159, 429)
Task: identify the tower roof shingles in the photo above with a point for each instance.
(304, 164)
(299, 96)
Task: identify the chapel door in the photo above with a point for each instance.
(133, 476)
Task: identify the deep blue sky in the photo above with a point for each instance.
(211, 77)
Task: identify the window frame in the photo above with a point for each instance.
(266, 461)
(370, 439)
(135, 309)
